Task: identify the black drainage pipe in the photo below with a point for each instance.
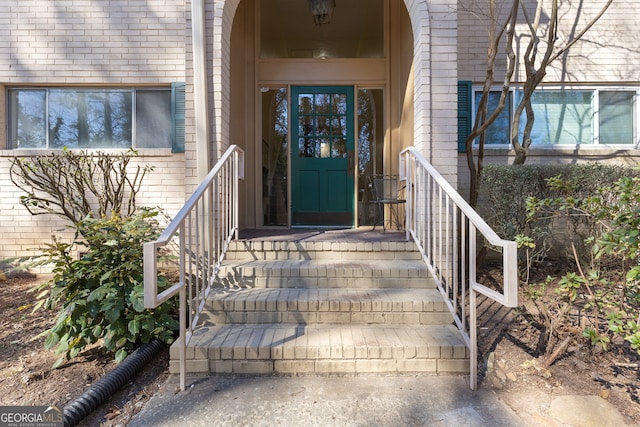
(106, 387)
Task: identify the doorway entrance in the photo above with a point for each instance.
(322, 156)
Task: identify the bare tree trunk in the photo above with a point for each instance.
(483, 118)
(535, 76)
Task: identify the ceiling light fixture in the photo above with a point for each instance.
(322, 10)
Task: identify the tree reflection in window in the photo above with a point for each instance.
(322, 125)
(89, 118)
(275, 127)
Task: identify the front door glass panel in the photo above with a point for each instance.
(322, 125)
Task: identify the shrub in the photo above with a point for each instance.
(526, 200)
(609, 302)
(101, 295)
(621, 239)
(74, 184)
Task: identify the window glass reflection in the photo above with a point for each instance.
(498, 131)
(275, 127)
(27, 119)
(370, 149)
(561, 117)
(321, 125)
(616, 117)
(89, 118)
(339, 148)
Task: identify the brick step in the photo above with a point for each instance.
(321, 250)
(330, 305)
(324, 274)
(324, 348)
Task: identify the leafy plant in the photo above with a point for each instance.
(570, 284)
(98, 277)
(611, 216)
(620, 323)
(595, 338)
(101, 295)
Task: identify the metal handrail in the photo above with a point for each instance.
(445, 226)
(203, 228)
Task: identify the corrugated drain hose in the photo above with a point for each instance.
(104, 388)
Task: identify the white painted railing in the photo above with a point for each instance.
(201, 231)
(445, 228)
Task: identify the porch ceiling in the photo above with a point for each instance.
(355, 30)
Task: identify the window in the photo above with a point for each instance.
(275, 161)
(615, 117)
(569, 117)
(322, 119)
(91, 118)
(498, 131)
(561, 117)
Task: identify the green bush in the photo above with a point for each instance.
(101, 294)
(621, 239)
(515, 197)
(607, 294)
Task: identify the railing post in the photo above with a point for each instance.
(183, 338)
(150, 263)
(473, 339)
(236, 177)
(473, 347)
(407, 177)
(510, 261)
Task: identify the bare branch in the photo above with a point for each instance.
(482, 122)
(582, 33)
(74, 185)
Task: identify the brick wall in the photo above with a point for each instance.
(443, 88)
(608, 52)
(85, 41)
(88, 42)
(435, 80)
(162, 187)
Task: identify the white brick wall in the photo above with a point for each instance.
(435, 70)
(85, 41)
(607, 53)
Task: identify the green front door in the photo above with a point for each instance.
(322, 163)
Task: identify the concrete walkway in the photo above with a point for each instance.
(412, 400)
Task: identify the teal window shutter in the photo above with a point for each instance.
(177, 116)
(464, 114)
